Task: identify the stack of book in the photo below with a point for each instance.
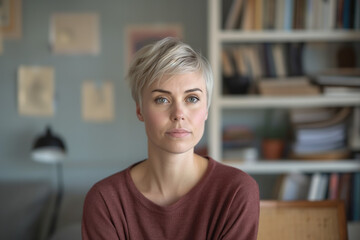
(243, 65)
(239, 144)
(290, 14)
(322, 186)
(340, 82)
(323, 135)
(294, 86)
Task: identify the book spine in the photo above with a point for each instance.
(356, 197)
(357, 15)
(346, 14)
(288, 14)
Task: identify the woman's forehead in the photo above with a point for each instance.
(180, 80)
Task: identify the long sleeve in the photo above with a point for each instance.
(243, 214)
(96, 222)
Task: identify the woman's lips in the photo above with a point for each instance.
(178, 133)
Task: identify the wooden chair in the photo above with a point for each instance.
(295, 220)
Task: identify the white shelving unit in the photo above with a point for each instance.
(217, 37)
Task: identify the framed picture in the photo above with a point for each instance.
(75, 33)
(10, 18)
(138, 36)
(36, 91)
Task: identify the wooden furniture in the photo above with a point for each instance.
(318, 220)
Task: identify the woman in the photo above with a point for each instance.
(174, 193)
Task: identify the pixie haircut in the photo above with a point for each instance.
(167, 57)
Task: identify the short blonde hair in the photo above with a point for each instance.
(168, 56)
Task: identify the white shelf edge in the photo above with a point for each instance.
(288, 166)
(288, 36)
(253, 101)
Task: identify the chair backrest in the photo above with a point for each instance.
(295, 220)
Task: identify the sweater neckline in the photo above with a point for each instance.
(155, 207)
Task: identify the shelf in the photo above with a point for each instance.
(289, 36)
(287, 166)
(253, 101)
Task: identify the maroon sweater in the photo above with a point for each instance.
(223, 205)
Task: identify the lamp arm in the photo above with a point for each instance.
(58, 199)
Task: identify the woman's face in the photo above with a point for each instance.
(174, 112)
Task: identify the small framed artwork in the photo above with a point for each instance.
(98, 103)
(138, 36)
(36, 91)
(10, 19)
(75, 33)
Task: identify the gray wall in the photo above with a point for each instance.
(95, 150)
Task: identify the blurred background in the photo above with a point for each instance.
(95, 149)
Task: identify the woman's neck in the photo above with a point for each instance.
(165, 178)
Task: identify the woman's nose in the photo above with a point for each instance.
(177, 113)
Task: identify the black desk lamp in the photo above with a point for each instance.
(50, 148)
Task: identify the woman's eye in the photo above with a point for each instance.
(161, 100)
(192, 99)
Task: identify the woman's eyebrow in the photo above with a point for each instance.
(161, 90)
(193, 90)
(168, 92)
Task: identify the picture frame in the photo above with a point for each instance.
(138, 36)
(10, 18)
(74, 33)
(36, 91)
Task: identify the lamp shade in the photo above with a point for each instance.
(48, 148)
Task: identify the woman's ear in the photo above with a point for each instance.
(138, 112)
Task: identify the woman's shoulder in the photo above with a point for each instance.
(110, 184)
(225, 174)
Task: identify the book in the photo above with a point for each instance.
(339, 117)
(357, 15)
(286, 87)
(296, 59)
(338, 80)
(279, 14)
(345, 189)
(258, 15)
(279, 60)
(356, 197)
(310, 14)
(288, 14)
(299, 14)
(311, 115)
(341, 91)
(334, 132)
(268, 61)
(234, 14)
(319, 139)
(241, 154)
(227, 67)
(329, 14)
(354, 130)
(294, 186)
(269, 8)
(346, 17)
(317, 146)
(332, 155)
(251, 55)
(249, 15)
(241, 66)
(318, 186)
(333, 191)
(339, 13)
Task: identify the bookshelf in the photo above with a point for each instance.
(290, 166)
(218, 37)
(229, 36)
